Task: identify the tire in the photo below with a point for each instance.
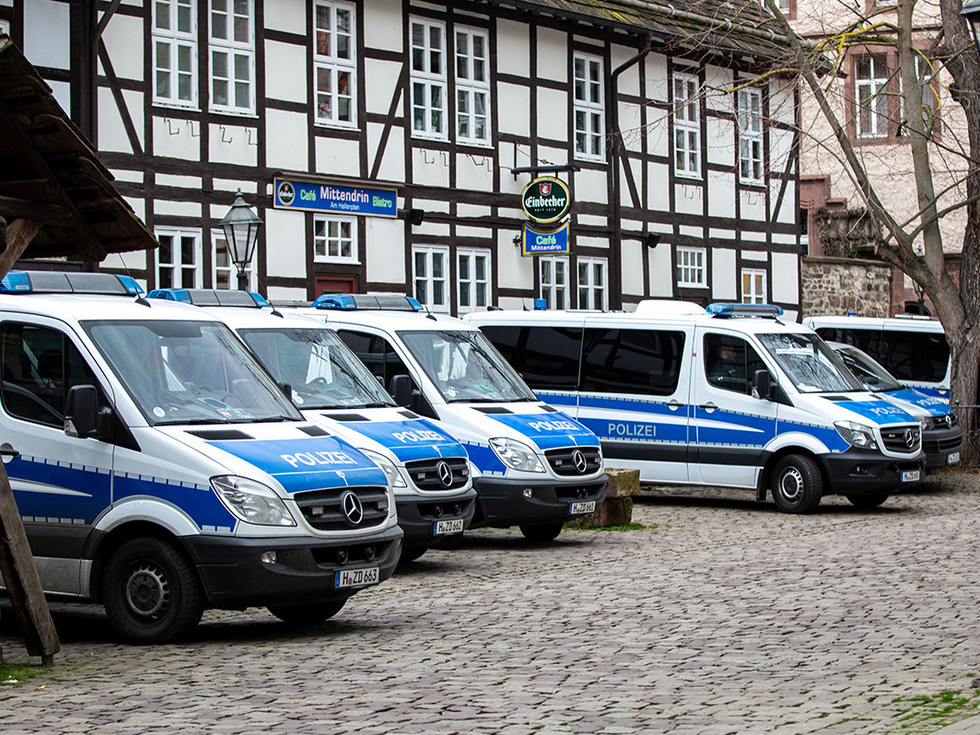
(312, 614)
(151, 592)
(797, 484)
(542, 534)
(867, 500)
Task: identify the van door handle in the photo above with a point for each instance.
(8, 452)
(674, 404)
(709, 407)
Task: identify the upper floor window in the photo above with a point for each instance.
(232, 55)
(592, 290)
(753, 286)
(750, 135)
(174, 41)
(871, 91)
(430, 274)
(687, 125)
(334, 65)
(225, 273)
(589, 107)
(553, 272)
(927, 73)
(178, 258)
(472, 87)
(429, 79)
(334, 239)
(690, 268)
(473, 279)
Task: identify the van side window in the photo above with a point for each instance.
(906, 355)
(546, 357)
(730, 362)
(39, 366)
(632, 361)
(377, 354)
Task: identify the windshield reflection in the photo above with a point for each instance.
(810, 363)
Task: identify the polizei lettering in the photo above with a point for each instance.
(314, 459)
(406, 437)
(553, 426)
(641, 431)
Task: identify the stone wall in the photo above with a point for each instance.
(842, 285)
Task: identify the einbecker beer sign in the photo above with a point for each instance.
(546, 200)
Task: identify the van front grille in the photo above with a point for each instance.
(902, 439)
(451, 473)
(344, 508)
(572, 461)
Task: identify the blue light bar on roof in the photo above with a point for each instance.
(367, 302)
(210, 297)
(732, 309)
(108, 284)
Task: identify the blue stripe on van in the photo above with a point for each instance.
(549, 430)
(197, 501)
(935, 405)
(74, 492)
(485, 459)
(881, 412)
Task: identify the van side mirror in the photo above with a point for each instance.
(82, 411)
(762, 386)
(402, 389)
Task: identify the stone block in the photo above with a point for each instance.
(617, 508)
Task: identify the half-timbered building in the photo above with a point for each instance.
(386, 143)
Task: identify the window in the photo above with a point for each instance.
(687, 125)
(428, 79)
(430, 274)
(334, 239)
(178, 258)
(546, 357)
(225, 274)
(730, 362)
(753, 286)
(690, 268)
(554, 281)
(473, 279)
(592, 291)
(589, 107)
(232, 47)
(632, 361)
(750, 134)
(871, 90)
(927, 73)
(334, 67)
(783, 6)
(175, 52)
(472, 87)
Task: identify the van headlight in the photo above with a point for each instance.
(516, 455)
(251, 501)
(857, 435)
(395, 478)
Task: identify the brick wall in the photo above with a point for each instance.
(842, 285)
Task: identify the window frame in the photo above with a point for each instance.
(472, 87)
(762, 294)
(687, 124)
(429, 80)
(175, 40)
(429, 279)
(233, 50)
(701, 267)
(591, 136)
(474, 285)
(591, 289)
(548, 289)
(877, 91)
(230, 272)
(335, 65)
(179, 267)
(750, 131)
(326, 238)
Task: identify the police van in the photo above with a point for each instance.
(912, 348)
(159, 470)
(534, 466)
(428, 469)
(728, 397)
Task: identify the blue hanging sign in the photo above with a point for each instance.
(316, 196)
(553, 242)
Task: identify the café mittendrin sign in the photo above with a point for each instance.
(545, 201)
(318, 196)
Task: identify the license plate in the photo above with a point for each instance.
(909, 476)
(579, 508)
(452, 526)
(356, 577)
(953, 458)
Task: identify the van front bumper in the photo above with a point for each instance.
(505, 503)
(417, 516)
(940, 445)
(855, 472)
(235, 577)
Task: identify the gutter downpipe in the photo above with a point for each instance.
(613, 151)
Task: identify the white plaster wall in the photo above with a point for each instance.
(656, 78)
(592, 220)
(717, 234)
(126, 56)
(787, 210)
(286, 70)
(724, 282)
(514, 106)
(661, 271)
(631, 126)
(286, 140)
(338, 157)
(553, 114)
(697, 232)
(383, 25)
(474, 172)
(393, 161)
(781, 102)
(172, 138)
(632, 268)
(590, 186)
(47, 33)
(464, 211)
(519, 270)
(629, 79)
(552, 55)
(249, 186)
(721, 142)
(717, 85)
(780, 147)
(288, 16)
(688, 199)
(721, 194)
(430, 168)
(285, 233)
(61, 91)
(136, 260)
(785, 284)
(382, 80)
(112, 133)
(385, 256)
(658, 191)
(658, 132)
(239, 143)
(177, 209)
(482, 233)
(757, 255)
(753, 205)
(582, 241)
(513, 49)
(186, 182)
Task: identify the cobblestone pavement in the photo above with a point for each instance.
(722, 616)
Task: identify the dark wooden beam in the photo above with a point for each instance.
(49, 214)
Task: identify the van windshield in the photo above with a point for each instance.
(873, 375)
(810, 363)
(189, 372)
(465, 367)
(320, 369)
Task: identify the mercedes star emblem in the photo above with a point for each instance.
(581, 463)
(351, 507)
(445, 474)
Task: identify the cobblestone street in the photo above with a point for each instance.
(721, 616)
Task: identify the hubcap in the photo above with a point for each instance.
(147, 591)
(791, 484)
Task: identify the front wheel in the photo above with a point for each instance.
(151, 592)
(311, 614)
(542, 533)
(797, 484)
(866, 501)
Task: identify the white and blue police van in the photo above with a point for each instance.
(726, 397)
(159, 470)
(913, 348)
(942, 436)
(533, 466)
(427, 468)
